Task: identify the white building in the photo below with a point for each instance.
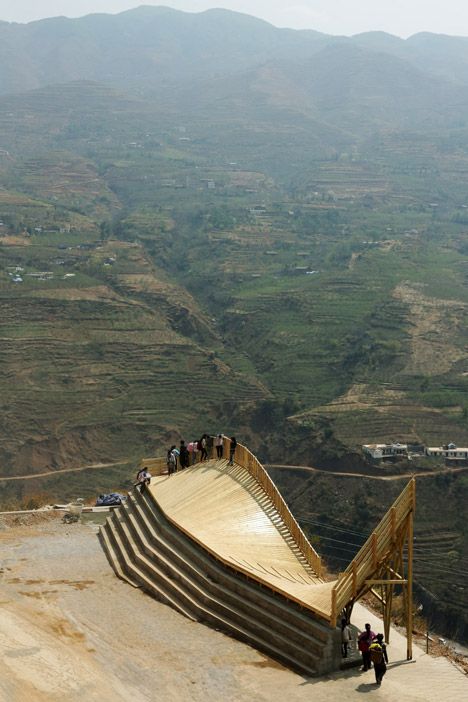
(381, 451)
(451, 451)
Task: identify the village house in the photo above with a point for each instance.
(450, 452)
(379, 452)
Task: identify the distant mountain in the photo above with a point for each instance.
(147, 47)
(152, 47)
(442, 55)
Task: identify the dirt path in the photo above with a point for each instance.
(311, 469)
(403, 476)
(92, 466)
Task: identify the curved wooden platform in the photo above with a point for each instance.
(218, 543)
(226, 511)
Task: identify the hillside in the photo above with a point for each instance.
(267, 235)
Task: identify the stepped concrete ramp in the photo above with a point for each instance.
(227, 512)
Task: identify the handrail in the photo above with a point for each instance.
(247, 460)
(373, 551)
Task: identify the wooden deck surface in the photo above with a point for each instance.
(223, 508)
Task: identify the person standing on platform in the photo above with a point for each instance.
(219, 446)
(379, 657)
(171, 461)
(232, 450)
(365, 639)
(183, 456)
(192, 449)
(209, 445)
(202, 446)
(143, 479)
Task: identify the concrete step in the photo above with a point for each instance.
(218, 598)
(155, 578)
(113, 557)
(303, 627)
(221, 582)
(137, 567)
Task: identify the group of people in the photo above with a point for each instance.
(186, 454)
(372, 647)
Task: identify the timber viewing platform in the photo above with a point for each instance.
(218, 543)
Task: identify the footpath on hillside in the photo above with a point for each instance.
(71, 630)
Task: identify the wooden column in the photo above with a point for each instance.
(409, 586)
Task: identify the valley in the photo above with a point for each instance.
(277, 248)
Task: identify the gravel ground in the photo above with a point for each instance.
(70, 630)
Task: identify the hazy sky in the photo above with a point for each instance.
(402, 17)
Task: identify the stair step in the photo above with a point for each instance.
(232, 607)
(113, 558)
(159, 588)
(285, 608)
(197, 611)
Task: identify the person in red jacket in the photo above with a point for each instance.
(365, 639)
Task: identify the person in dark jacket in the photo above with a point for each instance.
(184, 458)
(379, 657)
(232, 450)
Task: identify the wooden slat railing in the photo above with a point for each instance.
(247, 460)
(374, 551)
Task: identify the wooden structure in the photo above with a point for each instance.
(245, 555)
(379, 566)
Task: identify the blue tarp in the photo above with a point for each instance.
(113, 498)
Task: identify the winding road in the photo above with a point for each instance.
(93, 466)
(310, 469)
(402, 476)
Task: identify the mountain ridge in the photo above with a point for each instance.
(148, 47)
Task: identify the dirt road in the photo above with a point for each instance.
(46, 474)
(401, 476)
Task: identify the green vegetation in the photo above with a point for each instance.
(267, 235)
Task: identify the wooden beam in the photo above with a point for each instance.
(374, 549)
(409, 588)
(393, 572)
(388, 612)
(379, 597)
(386, 582)
(393, 521)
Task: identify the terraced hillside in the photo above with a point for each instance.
(279, 251)
(153, 265)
